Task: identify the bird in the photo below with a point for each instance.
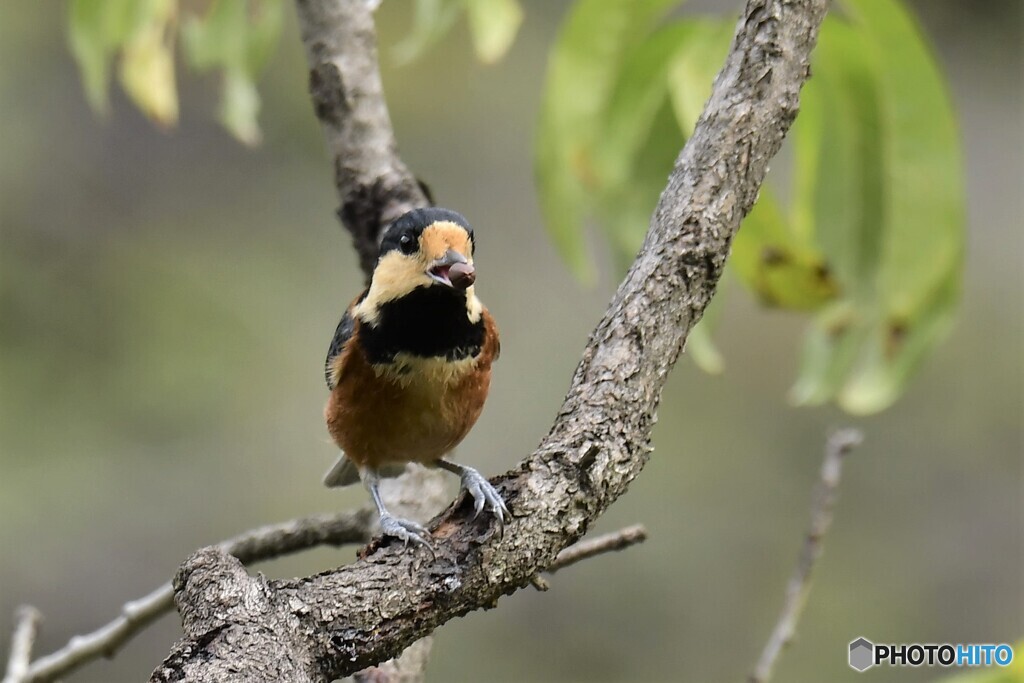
(409, 367)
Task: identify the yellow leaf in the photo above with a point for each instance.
(147, 68)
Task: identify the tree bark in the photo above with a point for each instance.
(243, 628)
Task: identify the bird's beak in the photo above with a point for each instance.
(453, 270)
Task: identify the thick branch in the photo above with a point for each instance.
(824, 498)
(240, 628)
(253, 546)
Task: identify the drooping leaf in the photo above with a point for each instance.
(894, 349)
(836, 198)
(639, 92)
(846, 194)
(266, 19)
(883, 144)
(237, 37)
(240, 106)
(637, 142)
(432, 19)
(582, 69)
(830, 348)
(700, 346)
(782, 270)
(96, 29)
(848, 244)
(493, 24)
(694, 68)
(627, 206)
(147, 62)
(922, 243)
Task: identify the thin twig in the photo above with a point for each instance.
(606, 543)
(256, 545)
(839, 444)
(26, 625)
(617, 540)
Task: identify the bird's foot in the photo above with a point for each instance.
(404, 530)
(483, 494)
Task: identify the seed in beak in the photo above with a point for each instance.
(462, 275)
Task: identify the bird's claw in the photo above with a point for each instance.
(484, 493)
(405, 530)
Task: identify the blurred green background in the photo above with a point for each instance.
(166, 299)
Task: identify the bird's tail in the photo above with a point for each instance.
(342, 473)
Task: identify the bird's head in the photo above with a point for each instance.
(425, 248)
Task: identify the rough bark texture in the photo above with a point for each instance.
(374, 186)
(242, 628)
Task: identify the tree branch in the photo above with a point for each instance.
(26, 625)
(606, 543)
(253, 546)
(375, 187)
(587, 548)
(839, 444)
(241, 628)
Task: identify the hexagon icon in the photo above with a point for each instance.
(862, 654)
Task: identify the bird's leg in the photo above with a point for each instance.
(405, 529)
(482, 491)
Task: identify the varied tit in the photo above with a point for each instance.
(410, 364)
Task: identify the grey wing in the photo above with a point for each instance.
(341, 335)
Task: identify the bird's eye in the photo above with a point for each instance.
(407, 244)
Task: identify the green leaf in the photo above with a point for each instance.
(894, 349)
(234, 34)
(847, 193)
(699, 344)
(266, 19)
(432, 19)
(694, 69)
(924, 204)
(493, 25)
(701, 348)
(871, 237)
(878, 177)
(582, 69)
(922, 243)
(836, 198)
(638, 141)
(96, 29)
(640, 91)
(240, 107)
(776, 265)
(237, 37)
(831, 346)
(626, 206)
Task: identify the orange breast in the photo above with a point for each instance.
(415, 410)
